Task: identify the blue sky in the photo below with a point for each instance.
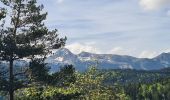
(139, 28)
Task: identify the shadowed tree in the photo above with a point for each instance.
(64, 77)
(24, 35)
(39, 72)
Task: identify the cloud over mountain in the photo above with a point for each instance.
(148, 54)
(78, 48)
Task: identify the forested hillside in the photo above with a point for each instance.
(94, 84)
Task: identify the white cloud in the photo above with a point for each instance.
(148, 54)
(117, 50)
(122, 51)
(78, 48)
(154, 4)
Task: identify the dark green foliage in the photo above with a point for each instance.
(56, 86)
(141, 85)
(91, 85)
(64, 77)
(136, 76)
(25, 36)
(3, 81)
(38, 70)
(86, 86)
(152, 91)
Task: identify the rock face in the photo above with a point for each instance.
(104, 61)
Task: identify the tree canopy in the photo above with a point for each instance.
(24, 34)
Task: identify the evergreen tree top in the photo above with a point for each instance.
(26, 35)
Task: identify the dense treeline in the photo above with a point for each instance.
(126, 76)
(67, 84)
(152, 91)
(140, 84)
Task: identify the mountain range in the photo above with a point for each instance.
(83, 60)
(106, 61)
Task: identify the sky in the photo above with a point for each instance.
(139, 28)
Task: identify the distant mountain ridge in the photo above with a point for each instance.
(106, 61)
(83, 60)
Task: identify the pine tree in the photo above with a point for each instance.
(26, 36)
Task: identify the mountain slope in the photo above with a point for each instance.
(106, 61)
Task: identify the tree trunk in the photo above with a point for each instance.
(11, 80)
